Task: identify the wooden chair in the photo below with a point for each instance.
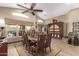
(23, 40)
(38, 49)
(27, 42)
(48, 41)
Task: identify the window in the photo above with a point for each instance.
(11, 30)
(16, 30)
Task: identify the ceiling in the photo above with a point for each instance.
(50, 9)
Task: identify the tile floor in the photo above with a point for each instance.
(66, 49)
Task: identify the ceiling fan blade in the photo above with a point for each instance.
(38, 10)
(25, 11)
(33, 5)
(22, 6)
(33, 13)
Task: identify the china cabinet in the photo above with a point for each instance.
(56, 28)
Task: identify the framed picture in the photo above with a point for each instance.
(75, 26)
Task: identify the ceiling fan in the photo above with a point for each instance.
(31, 9)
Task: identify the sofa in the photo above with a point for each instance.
(73, 38)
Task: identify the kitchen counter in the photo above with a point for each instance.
(3, 40)
(14, 39)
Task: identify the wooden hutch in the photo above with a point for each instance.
(56, 28)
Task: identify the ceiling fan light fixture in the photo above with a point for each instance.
(20, 15)
(44, 13)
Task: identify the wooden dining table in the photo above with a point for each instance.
(33, 39)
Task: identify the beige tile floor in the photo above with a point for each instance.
(66, 49)
(12, 51)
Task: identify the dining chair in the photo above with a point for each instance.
(26, 42)
(48, 38)
(38, 49)
(23, 37)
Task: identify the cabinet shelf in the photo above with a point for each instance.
(56, 28)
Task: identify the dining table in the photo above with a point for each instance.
(33, 39)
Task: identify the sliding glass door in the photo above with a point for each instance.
(14, 32)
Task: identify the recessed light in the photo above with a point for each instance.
(19, 14)
(44, 13)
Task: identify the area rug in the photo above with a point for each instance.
(23, 52)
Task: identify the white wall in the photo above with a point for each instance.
(69, 18)
(48, 21)
(73, 16)
(63, 18)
